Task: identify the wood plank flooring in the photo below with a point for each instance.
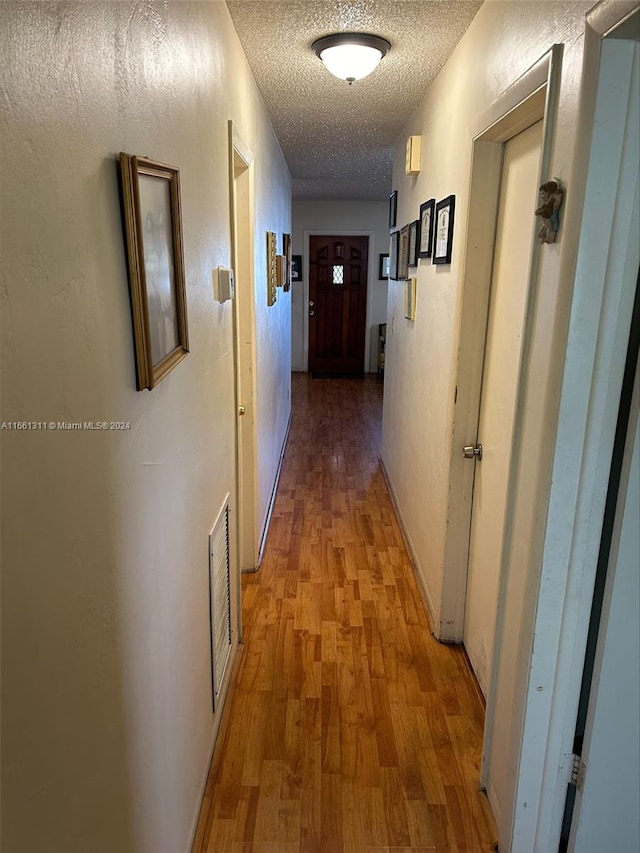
(349, 729)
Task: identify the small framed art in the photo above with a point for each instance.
(393, 208)
(272, 268)
(153, 230)
(281, 271)
(445, 211)
(427, 219)
(383, 267)
(403, 253)
(286, 251)
(410, 298)
(296, 268)
(394, 254)
(414, 239)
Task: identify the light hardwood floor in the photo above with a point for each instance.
(349, 729)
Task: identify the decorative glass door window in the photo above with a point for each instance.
(338, 274)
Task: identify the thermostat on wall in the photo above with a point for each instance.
(413, 155)
(223, 284)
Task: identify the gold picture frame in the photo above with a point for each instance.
(153, 230)
(394, 255)
(272, 268)
(403, 254)
(410, 289)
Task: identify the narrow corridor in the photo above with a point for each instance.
(349, 727)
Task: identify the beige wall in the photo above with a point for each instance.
(343, 216)
(107, 725)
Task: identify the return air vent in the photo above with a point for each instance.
(220, 600)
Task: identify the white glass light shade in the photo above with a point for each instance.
(351, 56)
(351, 61)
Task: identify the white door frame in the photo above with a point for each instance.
(532, 97)
(605, 810)
(338, 232)
(240, 161)
(595, 356)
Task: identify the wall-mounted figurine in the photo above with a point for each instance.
(551, 195)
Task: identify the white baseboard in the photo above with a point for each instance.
(408, 542)
(272, 499)
(217, 728)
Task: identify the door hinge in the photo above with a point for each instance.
(578, 770)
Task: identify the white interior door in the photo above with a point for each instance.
(509, 290)
(244, 313)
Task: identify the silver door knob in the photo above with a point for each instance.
(471, 452)
(311, 303)
(311, 313)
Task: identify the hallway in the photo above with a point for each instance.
(348, 727)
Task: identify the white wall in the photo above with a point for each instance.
(107, 723)
(346, 217)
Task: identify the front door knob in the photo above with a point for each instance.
(471, 452)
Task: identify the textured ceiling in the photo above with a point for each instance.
(337, 138)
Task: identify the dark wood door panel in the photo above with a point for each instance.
(338, 293)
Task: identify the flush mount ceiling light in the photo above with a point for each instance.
(351, 56)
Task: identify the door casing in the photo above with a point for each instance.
(531, 98)
(242, 242)
(604, 267)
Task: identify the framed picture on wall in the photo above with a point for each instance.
(403, 255)
(281, 271)
(393, 208)
(286, 251)
(427, 220)
(410, 298)
(272, 268)
(153, 230)
(445, 211)
(296, 268)
(383, 267)
(414, 238)
(394, 249)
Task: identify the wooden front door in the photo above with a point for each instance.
(337, 304)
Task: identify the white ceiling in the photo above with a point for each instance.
(337, 138)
